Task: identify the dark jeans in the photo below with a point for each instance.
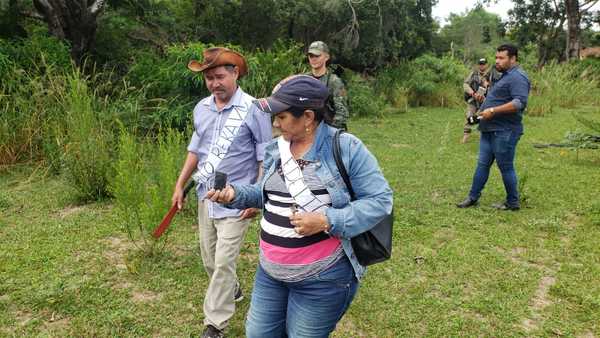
(500, 146)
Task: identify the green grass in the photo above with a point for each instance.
(69, 270)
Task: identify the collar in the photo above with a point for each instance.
(320, 136)
(235, 100)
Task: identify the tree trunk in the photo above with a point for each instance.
(573, 29)
(72, 20)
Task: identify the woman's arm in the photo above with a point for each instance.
(374, 197)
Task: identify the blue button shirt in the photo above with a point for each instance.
(247, 149)
(513, 87)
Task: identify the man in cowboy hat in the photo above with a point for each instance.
(230, 137)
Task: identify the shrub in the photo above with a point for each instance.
(363, 99)
(87, 158)
(142, 186)
(562, 85)
(427, 81)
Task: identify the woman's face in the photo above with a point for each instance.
(291, 127)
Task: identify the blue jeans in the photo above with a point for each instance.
(500, 146)
(309, 308)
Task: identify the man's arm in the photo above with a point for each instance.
(467, 85)
(340, 102)
(189, 165)
(519, 91)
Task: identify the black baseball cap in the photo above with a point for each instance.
(296, 91)
(482, 61)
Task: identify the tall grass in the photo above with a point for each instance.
(89, 141)
(565, 85)
(145, 173)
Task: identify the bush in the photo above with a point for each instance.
(425, 81)
(561, 85)
(87, 157)
(142, 186)
(362, 98)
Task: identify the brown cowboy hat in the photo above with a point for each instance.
(219, 56)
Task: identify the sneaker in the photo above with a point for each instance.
(504, 206)
(212, 332)
(238, 295)
(468, 202)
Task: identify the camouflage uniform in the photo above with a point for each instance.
(472, 83)
(336, 110)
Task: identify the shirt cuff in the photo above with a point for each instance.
(335, 217)
(518, 104)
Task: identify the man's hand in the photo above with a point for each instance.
(478, 97)
(249, 213)
(487, 114)
(309, 223)
(221, 196)
(177, 198)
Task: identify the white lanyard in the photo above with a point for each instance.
(294, 180)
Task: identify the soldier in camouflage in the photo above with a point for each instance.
(475, 86)
(336, 112)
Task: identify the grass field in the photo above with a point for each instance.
(69, 270)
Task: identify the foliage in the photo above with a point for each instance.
(143, 182)
(363, 100)
(472, 35)
(561, 85)
(88, 150)
(428, 81)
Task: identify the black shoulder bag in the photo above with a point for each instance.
(375, 245)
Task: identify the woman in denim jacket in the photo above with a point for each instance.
(308, 273)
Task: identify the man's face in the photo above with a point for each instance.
(503, 61)
(482, 67)
(317, 61)
(221, 82)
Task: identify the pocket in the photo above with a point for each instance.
(502, 141)
(340, 274)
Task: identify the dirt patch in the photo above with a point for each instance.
(539, 302)
(116, 250)
(70, 210)
(347, 328)
(145, 296)
(587, 334)
(22, 318)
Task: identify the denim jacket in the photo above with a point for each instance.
(347, 219)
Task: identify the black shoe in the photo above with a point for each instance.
(468, 202)
(504, 206)
(238, 295)
(212, 332)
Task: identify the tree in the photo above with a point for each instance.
(71, 20)
(473, 34)
(575, 11)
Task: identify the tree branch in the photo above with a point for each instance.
(589, 4)
(33, 15)
(96, 7)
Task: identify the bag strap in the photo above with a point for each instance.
(337, 155)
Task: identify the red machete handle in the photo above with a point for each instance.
(166, 221)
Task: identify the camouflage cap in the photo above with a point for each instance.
(482, 61)
(318, 47)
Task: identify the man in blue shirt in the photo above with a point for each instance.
(501, 127)
(230, 136)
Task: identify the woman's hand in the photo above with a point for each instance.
(221, 196)
(309, 223)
